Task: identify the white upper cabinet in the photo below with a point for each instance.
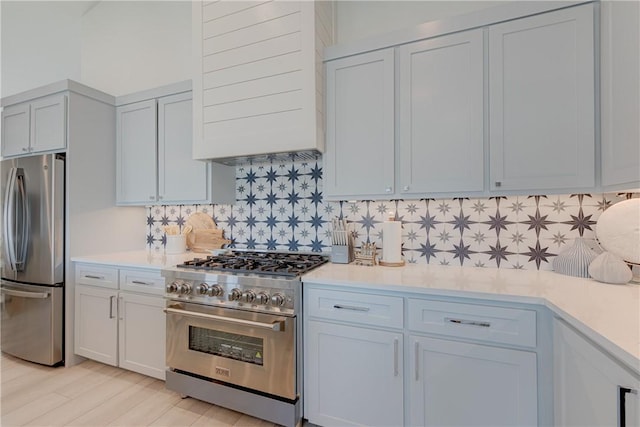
(258, 86)
(359, 160)
(35, 127)
(541, 102)
(441, 105)
(620, 94)
(154, 162)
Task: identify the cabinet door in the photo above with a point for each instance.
(541, 92)
(441, 114)
(353, 376)
(96, 324)
(180, 178)
(461, 384)
(359, 157)
(15, 130)
(620, 35)
(142, 334)
(136, 178)
(49, 123)
(587, 384)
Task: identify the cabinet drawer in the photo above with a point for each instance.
(97, 275)
(478, 322)
(376, 310)
(143, 281)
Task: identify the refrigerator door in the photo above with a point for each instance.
(33, 219)
(32, 319)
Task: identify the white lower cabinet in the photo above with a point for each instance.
(119, 328)
(462, 384)
(590, 387)
(353, 375)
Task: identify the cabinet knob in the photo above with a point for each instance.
(24, 149)
(498, 184)
(405, 188)
(388, 189)
(152, 197)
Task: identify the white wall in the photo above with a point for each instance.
(40, 43)
(129, 46)
(363, 18)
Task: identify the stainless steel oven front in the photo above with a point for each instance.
(247, 349)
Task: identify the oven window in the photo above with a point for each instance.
(231, 346)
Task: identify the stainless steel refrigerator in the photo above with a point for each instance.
(32, 285)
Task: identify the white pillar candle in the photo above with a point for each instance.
(392, 241)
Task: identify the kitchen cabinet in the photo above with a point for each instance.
(489, 359)
(35, 127)
(542, 101)
(117, 326)
(360, 156)
(440, 108)
(258, 79)
(154, 159)
(620, 94)
(353, 359)
(591, 388)
(507, 107)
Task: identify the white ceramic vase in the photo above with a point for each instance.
(575, 260)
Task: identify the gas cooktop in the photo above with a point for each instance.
(255, 262)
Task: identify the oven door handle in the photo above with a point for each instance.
(276, 325)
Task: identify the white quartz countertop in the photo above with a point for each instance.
(141, 259)
(608, 314)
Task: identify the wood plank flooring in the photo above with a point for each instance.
(92, 394)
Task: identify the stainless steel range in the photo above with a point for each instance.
(234, 331)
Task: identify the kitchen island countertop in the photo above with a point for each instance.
(607, 314)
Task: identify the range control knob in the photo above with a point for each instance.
(216, 291)
(172, 287)
(235, 294)
(202, 289)
(184, 288)
(278, 300)
(248, 296)
(262, 298)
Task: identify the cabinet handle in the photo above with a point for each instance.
(417, 361)
(395, 357)
(24, 149)
(120, 308)
(111, 298)
(387, 190)
(89, 276)
(350, 307)
(140, 282)
(468, 322)
(498, 184)
(622, 396)
(405, 188)
(152, 197)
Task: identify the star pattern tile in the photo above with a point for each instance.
(282, 207)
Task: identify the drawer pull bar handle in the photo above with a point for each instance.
(622, 403)
(468, 322)
(89, 276)
(140, 282)
(350, 307)
(111, 299)
(417, 361)
(395, 357)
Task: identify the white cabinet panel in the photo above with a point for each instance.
(15, 130)
(96, 324)
(460, 384)
(620, 92)
(141, 334)
(49, 123)
(136, 146)
(587, 384)
(359, 160)
(355, 375)
(541, 96)
(441, 107)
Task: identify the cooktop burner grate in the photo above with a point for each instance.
(270, 263)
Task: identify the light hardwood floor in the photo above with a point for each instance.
(92, 394)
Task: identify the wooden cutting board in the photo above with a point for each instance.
(204, 235)
(200, 221)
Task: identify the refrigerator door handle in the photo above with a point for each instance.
(9, 219)
(21, 258)
(24, 294)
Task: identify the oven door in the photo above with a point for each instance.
(252, 350)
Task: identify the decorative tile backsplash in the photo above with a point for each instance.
(280, 207)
